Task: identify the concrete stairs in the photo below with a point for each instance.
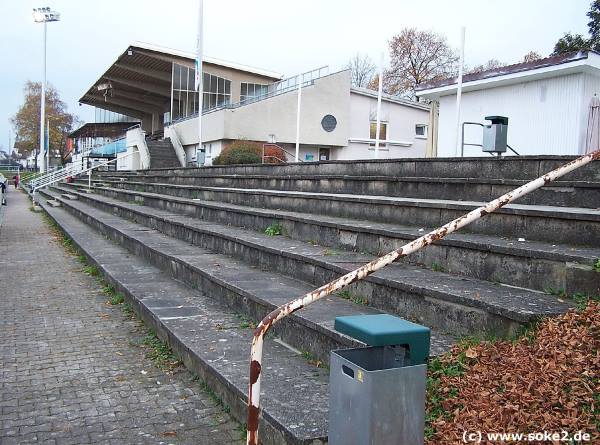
(162, 154)
(202, 232)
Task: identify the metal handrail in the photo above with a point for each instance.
(373, 266)
(86, 170)
(282, 149)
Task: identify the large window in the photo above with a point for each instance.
(217, 91)
(382, 133)
(184, 97)
(250, 91)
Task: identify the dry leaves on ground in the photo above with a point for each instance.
(549, 381)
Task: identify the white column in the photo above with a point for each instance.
(41, 161)
(379, 94)
(298, 118)
(457, 140)
(199, 77)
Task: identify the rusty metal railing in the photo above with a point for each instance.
(373, 266)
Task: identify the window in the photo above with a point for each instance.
(252, 90)
(382, 133)
(421, 130)
(184, 97)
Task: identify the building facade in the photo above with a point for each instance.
(546, 102)
(156, 86)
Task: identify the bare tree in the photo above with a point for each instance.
(531, 56)
(489, 65)
(362, 69)
(417, 57)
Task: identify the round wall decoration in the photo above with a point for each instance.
(329, 123)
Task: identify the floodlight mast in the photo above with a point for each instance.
(44, 15)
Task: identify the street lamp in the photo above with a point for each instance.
(44, 15)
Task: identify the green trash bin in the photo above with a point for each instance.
(377, 393)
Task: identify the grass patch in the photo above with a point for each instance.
(92, 271)
(245, 322)
(354, 298)
(437, 268)
(436, 395)
(311, 359)
(597, 265)
(582, 300)
(560, 292)
(116, 299)
(161, 355)
(274, 230)
(127, 309)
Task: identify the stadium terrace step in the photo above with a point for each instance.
(535, 265)
(506, 167)
(449, 303)
(213, 341)
(561, 193)
(237, 283)
(560, 225)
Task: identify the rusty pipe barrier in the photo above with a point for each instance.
(373, 266)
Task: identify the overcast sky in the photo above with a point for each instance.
(281, 36)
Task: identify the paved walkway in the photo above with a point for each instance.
(72, 370)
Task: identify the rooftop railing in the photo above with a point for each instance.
(275, 89)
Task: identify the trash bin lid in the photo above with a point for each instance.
(384, 330)
(497, 119)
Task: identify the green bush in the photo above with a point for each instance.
(240, 152)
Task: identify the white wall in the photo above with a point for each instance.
(544, 116)
(277, 115)
(401, 121)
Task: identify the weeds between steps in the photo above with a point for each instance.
(354, 298)
(580, 299)
(157, 351)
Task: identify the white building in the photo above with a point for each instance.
(156, 86)
(546, 102)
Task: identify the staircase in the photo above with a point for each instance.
(188, 248)
(162, 154)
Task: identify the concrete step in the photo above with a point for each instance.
(560, 225)
(508, 167)
(212, 341)
(535, 265)
(247, 288)
(69, 196)
(561, 193)
(457, 305)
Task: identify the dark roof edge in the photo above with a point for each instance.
(510, 69)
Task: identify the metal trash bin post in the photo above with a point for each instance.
(495, 135)
(377, 393)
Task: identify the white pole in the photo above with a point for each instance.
(379, 94)
(457, 141)
(298, 118)
(42, 157)
(48, 144)
(199, 78)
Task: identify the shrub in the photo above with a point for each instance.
(249, 152)
(240, 152)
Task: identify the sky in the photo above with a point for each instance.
(283, 36)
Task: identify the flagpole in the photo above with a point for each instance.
(199, 79)
(459, 84)
(379, 94)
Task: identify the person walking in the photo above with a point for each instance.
(16, 179)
